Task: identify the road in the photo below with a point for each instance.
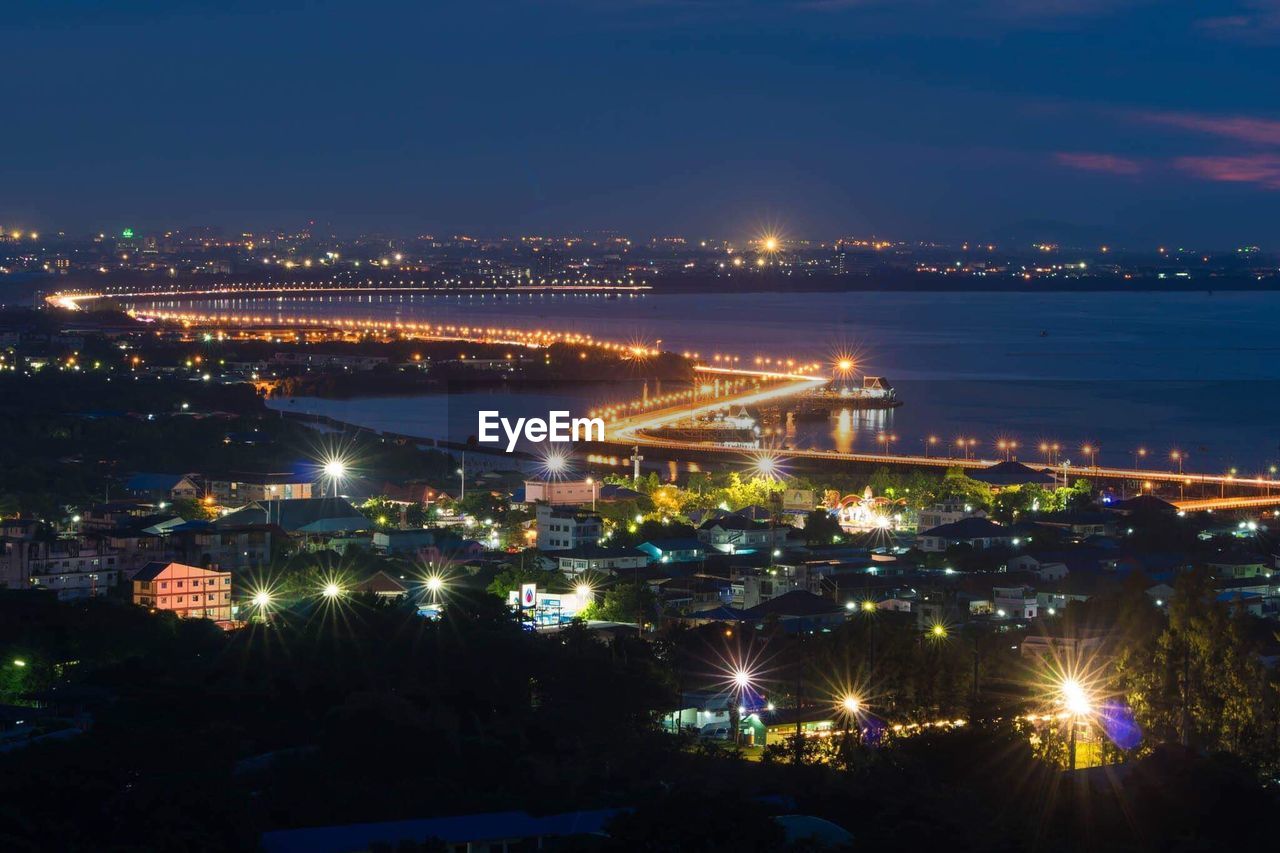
(634, 429)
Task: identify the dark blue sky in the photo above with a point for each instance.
(1138, 121)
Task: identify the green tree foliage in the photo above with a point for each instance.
(1199, 682)
(820, 528)
(628, 602)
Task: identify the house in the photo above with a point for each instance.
(680, 549)
(562, 529)
(597, 560)
(1053, 597)
(1014, 602)
(798, 611)
(1148, 505)
(1080, 524)
(735, 534)
(300, 516)
(978, 533)
(409, 542)
(176, 487)
(1043, 568)
(1009, 473)
(763, 584)
(1239, 565)
(189, 591)
(243, 487)
(73, 568)
(562, 492)
(947, 512)
(381, 585)
(244, 547)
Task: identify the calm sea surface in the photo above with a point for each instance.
(1195, 371)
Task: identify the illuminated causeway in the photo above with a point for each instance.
(767, 380)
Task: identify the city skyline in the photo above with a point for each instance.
(1126, 122)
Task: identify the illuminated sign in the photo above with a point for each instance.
(528, 595)
(127, 233)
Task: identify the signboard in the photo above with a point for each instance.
(528, 596)
(801, 499)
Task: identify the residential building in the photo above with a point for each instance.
(1043, 568)
(175, 487)
(679, 549)
(735, 534)
(767, 583)
(232, 547)
(562, 492)
(978, 533)
(593, 559)
(562, 529)
(798, 611)
(302, 517)
(1014, 602)
(947, 512)
(239, 488)
(73, 568)
(381, 585)
(188, 591)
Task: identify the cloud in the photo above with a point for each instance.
(1259, 169)
(1094, 162)
(1255, 131)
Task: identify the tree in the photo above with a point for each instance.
(628, 602)
(1200, 682)
(517, 576)
(820, 527)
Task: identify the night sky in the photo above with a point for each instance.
(1137, 121)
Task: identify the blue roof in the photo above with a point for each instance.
(153, 482)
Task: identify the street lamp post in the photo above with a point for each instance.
(1078, 705)
(1092, 452)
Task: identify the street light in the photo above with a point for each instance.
(928, 443)
(335, 468)
(1092, 452)
(1078, 704)
(331, 591)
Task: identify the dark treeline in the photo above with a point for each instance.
(361, 712)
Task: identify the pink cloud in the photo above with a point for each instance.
(1260, 169)
(1255, 131)
(1091, 162)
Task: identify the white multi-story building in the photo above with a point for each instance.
(564, 529)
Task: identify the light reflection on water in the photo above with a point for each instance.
(1194, 371)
